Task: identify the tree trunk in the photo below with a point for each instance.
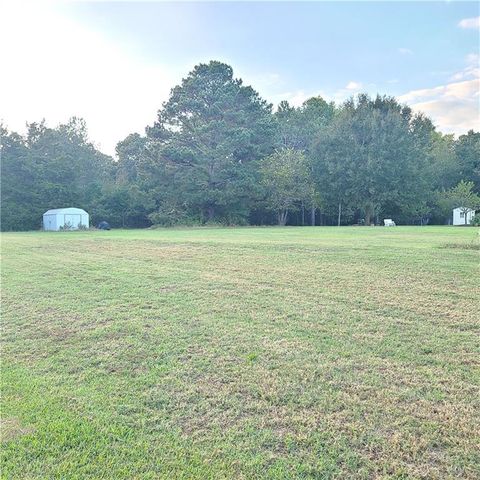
(312, 216)
(368, 215)
(303, 214)
(465, 215)
(282, 218)
(339, 213)
(367, 218)
(210, 213)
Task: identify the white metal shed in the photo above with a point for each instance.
(459, 215)
(65, 219)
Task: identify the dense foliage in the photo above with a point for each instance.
(49, 168)
(217, 153)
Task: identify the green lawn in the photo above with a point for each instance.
(251, 353)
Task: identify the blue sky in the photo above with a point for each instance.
(309, 45)
(425, 53)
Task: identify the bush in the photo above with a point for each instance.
(475, 220)
(170, 216)
(66, 227)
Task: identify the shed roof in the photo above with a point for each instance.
(463, 208)
(68, 210)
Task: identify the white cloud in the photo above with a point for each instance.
(59, 68)
(454, 107)
(405, 51)
(469, 23)
(353, 85)
(472, 69)
(351, 89)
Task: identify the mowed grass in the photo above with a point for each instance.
(253, 353)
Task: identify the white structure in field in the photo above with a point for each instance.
(459, 215)
(388, 222)
(65, 219)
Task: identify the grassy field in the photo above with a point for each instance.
(253, 353)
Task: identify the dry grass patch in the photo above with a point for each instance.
(12, 429)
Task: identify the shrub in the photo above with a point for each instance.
(475, 220)
(66, 227)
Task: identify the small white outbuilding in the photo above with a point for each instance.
(459, 215)
(65, 219)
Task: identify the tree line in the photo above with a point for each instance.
(217, 153)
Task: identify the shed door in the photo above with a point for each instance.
(50, 222)
(73, 220)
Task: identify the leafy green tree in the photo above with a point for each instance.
(124, 205)
(71, 171)
(467, 149)
(442, 170)
(287, 181)
(208, 135)
(49, 168)
(288, 127)
(331, 172)
(369, 155)
(201, 161)
(130, 153)
(20, 209)
(463, 196)
(298, 128)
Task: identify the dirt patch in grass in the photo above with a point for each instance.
(11, 429)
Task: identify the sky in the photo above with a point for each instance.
(114, 63)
